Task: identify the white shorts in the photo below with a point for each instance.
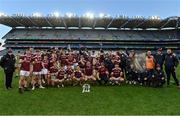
(44, 71)
(53, 78)
(24, 73)
(116, 79)
(37, 73)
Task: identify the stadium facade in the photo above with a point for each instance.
(91, 32)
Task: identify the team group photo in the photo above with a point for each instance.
(109, 57)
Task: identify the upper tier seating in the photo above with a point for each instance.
(92, 34)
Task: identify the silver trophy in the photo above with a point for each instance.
(86, 88)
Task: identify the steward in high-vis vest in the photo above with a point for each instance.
(150, 64)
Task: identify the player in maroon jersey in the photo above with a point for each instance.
(116, 75)
(61, 77)
(25, 62)
(53, 54)
(96, 66)
(70, 59)
(52, 65)
(82, 63)
(44, 71)
(89, 72)
(37, 67)
(63, 58)
(101, 56)
(102, 74)
(53, 73)
(69, 74)
(78, 77)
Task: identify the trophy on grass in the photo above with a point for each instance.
(86, 88)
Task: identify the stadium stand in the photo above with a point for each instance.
(106, 33)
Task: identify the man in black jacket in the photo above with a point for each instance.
(159, 58)
(171, 62)
(7, 62)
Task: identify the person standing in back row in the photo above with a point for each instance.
(159, 58)
(7, 62)
(171, 62)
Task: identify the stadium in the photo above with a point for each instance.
(100, 32)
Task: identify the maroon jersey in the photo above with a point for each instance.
(69, 71)
(116, 72)
(101, 58)
(88, 70)
(63, 59)
(37, 65)
(61, 74)
(70, 59)
(51, 63)
(53, 69)
(102, 71)
(77, 74)
(26, 61)
(76, 57)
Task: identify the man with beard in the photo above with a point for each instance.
(171, 63)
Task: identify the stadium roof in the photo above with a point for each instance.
(89, 21)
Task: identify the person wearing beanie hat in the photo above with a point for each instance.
(7, 62)
(159, 58)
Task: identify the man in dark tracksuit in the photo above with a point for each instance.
(7, 62)
(159, 58)
(171, 62)
(159, 77)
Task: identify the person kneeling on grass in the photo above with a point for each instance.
(103, 74)
(69, 75)
(61, 77)
(131, 75)
(78, 77)
(116, 75)
(159, 77)
(53, 73)
(143, 77)
(150, 77)
(89, 72)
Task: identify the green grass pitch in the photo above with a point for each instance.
(102, 100)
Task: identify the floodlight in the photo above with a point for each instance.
(89, 15)
(2, 14)
(69, 14)
(55, 14)
(37, 14)
(101, 15)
